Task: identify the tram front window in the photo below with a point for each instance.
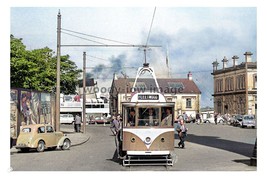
(148, 116)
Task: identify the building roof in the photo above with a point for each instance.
(167, 85)
(250, 65)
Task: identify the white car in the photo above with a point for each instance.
(211, 120)
(66, 119)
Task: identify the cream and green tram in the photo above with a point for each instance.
(147, 135)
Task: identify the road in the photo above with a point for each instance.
(209, 147)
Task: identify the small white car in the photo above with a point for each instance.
(248, 121)
(66, 119)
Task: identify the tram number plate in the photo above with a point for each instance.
(148, 97)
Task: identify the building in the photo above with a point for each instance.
(96, 106)
(183, 91)
(235, 87)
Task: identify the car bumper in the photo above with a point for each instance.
(23, 145)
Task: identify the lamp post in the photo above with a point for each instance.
(84, 91)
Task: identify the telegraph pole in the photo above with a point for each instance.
(58, 72)
(84, 91)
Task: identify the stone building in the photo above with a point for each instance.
(183, 91)
(235, 87)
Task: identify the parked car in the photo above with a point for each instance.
(190, 119)
(211, 120)
(236, 120)
(66, 119)
(248, 121)
(41, 137)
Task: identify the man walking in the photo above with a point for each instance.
(78, 122)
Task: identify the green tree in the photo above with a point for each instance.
(36, 69)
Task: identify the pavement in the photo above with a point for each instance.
(76, 138)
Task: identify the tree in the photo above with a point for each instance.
(36, 69)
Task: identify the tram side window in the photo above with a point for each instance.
(148, 116)
(167, 116)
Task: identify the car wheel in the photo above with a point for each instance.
(66, 144)
(40, 146)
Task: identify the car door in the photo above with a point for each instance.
(50, 136)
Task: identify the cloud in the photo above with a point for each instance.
(195, 36)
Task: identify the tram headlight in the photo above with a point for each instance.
(147, 140)
(132, 139)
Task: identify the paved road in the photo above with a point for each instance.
(208, 147)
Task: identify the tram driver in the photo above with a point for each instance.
(131, 118)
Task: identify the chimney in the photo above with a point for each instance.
(189, 76)
(235, 60)
(215, 65)
(248, 55)
(225, 61)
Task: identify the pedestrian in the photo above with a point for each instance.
(198, 118)
(78, 122)
(182, 133)
(113, 123)
(215, 118)
(185, 116)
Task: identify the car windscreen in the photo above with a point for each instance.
(248, 117)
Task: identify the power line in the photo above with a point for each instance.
(83, 38)
(93, 36)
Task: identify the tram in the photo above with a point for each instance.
(147, 134)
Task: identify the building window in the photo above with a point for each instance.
(169, 99)
(219, 85)
(240, 82)
(188, 103)
(229, 84)
(255, 80)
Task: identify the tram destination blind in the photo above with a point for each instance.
(148, 97)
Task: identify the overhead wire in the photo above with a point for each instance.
(83, 38)
(93, 36)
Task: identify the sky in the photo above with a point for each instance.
(191, 37)
(195, 33)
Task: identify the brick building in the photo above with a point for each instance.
(235, 87)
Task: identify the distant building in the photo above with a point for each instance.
(235, 87)
(183, 91)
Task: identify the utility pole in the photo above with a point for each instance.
(58, 72)
(84, 91)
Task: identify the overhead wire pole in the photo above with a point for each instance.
(58, 72)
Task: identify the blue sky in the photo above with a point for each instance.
(194, 37)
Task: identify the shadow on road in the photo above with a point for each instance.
(216, 142)
(115, 158)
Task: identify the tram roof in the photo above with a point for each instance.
(167, 85)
